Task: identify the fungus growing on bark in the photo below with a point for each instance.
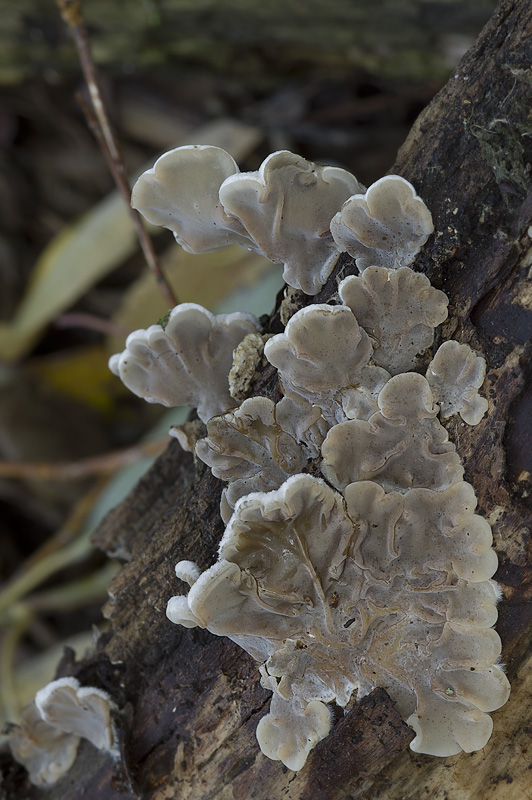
(84, 711)
(329, 592)
(180, 192)
(44, 750)
(249, 449)
(187, 362)
(401, 446)
(282, 211)
(455, 374)
(286, 207)
(322, 357)
(51, 727)
(399, 309)
(386, 227)
(385, 579)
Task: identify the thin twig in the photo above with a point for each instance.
(100, 123)
(26, 582)
(75, 470)
(69, 530)
(90, 322)
(10, 641)
(65, 597)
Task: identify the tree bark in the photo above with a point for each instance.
(191, 701)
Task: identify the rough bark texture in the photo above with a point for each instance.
(252, 39)
(191, 701)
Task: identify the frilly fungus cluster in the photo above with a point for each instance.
(379, 573)
(52, 726)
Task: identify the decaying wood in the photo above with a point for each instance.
(191, 701)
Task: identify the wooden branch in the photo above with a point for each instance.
(105, 464)
(99, 122)
(192, 701)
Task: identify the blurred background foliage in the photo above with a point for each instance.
(334, 80)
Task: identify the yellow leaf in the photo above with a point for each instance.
(82, 374)
(92, 246)
(206, 279)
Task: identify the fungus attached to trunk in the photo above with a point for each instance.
(386, 227)
(455, 375)
(340, 594)
(383, 576)
(187, 362)
(51, 728)
(399, 309)
(282, 211)
(286, 208)
(249, 449)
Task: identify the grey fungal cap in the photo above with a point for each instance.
(399, 309)
(455, 374)
(187, 362)
(385, 227)
(249, 449)
(84, 711)
(286, 207)
(332, 592)
(402, 446)
(47, 752)
(181, 193)
(283, 210)
(322, 358)
(385, 577)
(51, 727)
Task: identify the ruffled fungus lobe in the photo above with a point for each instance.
(386, 227)
(329, 593)
(282, 211)
(287, 736)
(43, 749)
(84, 711)
(187, 362)
(455, 374)
(401, 446)
(51, 727)
(323, 357)
(385, 581)
(250, 449)
(180, 193)
(286, 208)
(399, 309)
(303, 422)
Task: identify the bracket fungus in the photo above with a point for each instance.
(282, 211)
(180, 192)
(44, 750)
(339, 594)
(380, 573)
(250, 449)
(386, 227)
(401, 446)
(455, 374)
(51, 727)
(286, 207)
(187, 362)
(322, 357)
(399, 309)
